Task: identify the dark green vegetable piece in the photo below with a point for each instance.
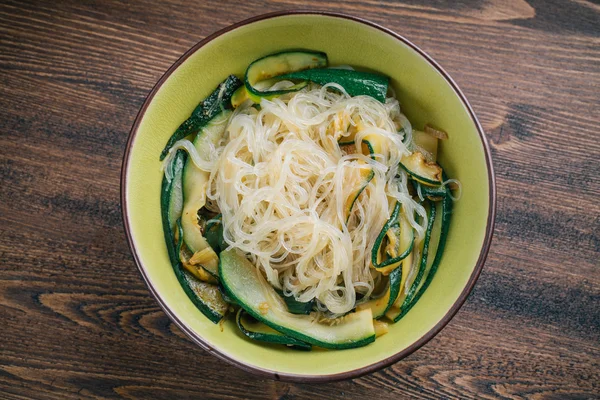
(433, 193)
(225, 296)
(446, 215)
(296, 307)
(208, 108)
(379, 241)
(256, 330)
(205, 296)
(395, 281)
(266, 68)
(356, 83)
(424, 256)
(214, 234)
(171, 204)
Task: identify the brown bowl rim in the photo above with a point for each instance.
(359, 371)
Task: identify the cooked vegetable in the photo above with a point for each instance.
(204, 295)
(381, 328)
(373, 144)
(171, 199)
(239, 96)
(195, 181)
(402, 302)
(381, 305)
(427, 173)
(218, 100)
(199, 285)
(204, 262)
(278, 64)
(446, 214)
(256, 330)
(401, 240)
(406, 243)
(296, 307)
(359, 179)
(416, 284)
(355, 83)
(241, 282)
(214, 234)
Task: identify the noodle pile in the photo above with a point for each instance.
(283, 183)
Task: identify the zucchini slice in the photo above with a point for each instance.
(200, 273)
(205, 296)
(213, 232)
(278, 64)
(381, 328)
(407, 243)
(427, 173)
(410, 294)
(239, 97)
(381, 305)
(294, 306)
(400, 247)
(195, 182)
(430, 192)
(372, 144)
(358, 181)
(394, 309)
(355, 83)
(205, 262)
(344, 125)
(171, 203)
(208, 108)
(256, 330)
(445, 225)
(242, 283)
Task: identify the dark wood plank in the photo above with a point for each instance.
(78, 321)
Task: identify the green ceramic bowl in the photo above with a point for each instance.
(426, 93)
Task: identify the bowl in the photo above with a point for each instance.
(426, 93)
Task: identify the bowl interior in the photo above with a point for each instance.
(425, 96)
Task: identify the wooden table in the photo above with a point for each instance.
(77, 320)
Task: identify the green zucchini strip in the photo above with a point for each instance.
(213, 232)
(424, 256)
(446, 216)
(379, 307)
(256, 330)
(171, 203)
(378, 242)
(430, 192)
(294, 306)
(241, 281)
(195, 182)
(239, 96)
(366, 176)
(393, 313)
(217, 101)
(274, 65)
(419, 169)
(205, 296)
(355, 83)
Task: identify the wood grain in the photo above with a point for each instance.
(77, 320)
